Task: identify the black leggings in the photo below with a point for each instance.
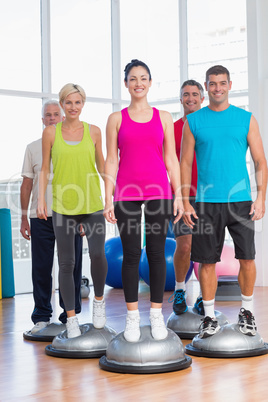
(157, 215)
(65, 227)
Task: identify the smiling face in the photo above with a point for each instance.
(138, 82)
(218, 88)
(191, 99)
(72, 105)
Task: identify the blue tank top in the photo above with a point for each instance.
(221, 146)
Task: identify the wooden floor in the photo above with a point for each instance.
(28, 374)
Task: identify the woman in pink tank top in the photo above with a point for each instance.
(142, 175)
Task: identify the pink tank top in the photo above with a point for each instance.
(142, 173)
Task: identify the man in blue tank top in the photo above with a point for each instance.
(220, 134)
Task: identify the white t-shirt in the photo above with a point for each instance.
(31, 168)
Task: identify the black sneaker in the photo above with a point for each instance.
(246, 322)
(199, 306)
(208, 327)
(179, 302)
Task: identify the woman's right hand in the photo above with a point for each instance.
(109, 212)
(42, 210)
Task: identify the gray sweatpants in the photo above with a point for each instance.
(65, 228)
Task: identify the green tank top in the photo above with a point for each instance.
(75, 184)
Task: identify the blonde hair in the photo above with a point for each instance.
(71, 89)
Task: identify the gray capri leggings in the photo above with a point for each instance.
(65, 228)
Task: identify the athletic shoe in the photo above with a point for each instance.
(199, 306)
(39, 325)
(158, 327)
(208, 327)
(179, 302)
(99, 316)
(246, 322)
(132, 331)
(72, 327)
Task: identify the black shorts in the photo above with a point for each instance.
(209, 231)
(180, 228)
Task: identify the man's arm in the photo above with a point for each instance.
(187, 156)
(25, 194)
(260, 164)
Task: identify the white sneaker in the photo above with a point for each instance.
(72, 326)
(158, 327)
(39, 325)
(132, 331)
(99, 316)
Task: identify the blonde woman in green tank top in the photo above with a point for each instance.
(76, 152)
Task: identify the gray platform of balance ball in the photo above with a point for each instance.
(187, 325)
(145, 356)
(46, 334)
(92, 343)
(228, 342)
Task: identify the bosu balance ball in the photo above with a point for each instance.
(170, 275)
(46, 334)
(91, 343)
(186, 325)
(229, 341)
(146, 355)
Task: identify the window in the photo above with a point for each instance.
(150, 32)
(217, 35)
(20, 67)
(81, 45)
(21, 124)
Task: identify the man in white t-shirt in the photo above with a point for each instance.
(40, 231)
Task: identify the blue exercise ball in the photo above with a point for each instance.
(114, 255)
(170, 275)
(170, 233)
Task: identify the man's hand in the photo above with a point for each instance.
(257, 209)
(189, 211)
(25, 228)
